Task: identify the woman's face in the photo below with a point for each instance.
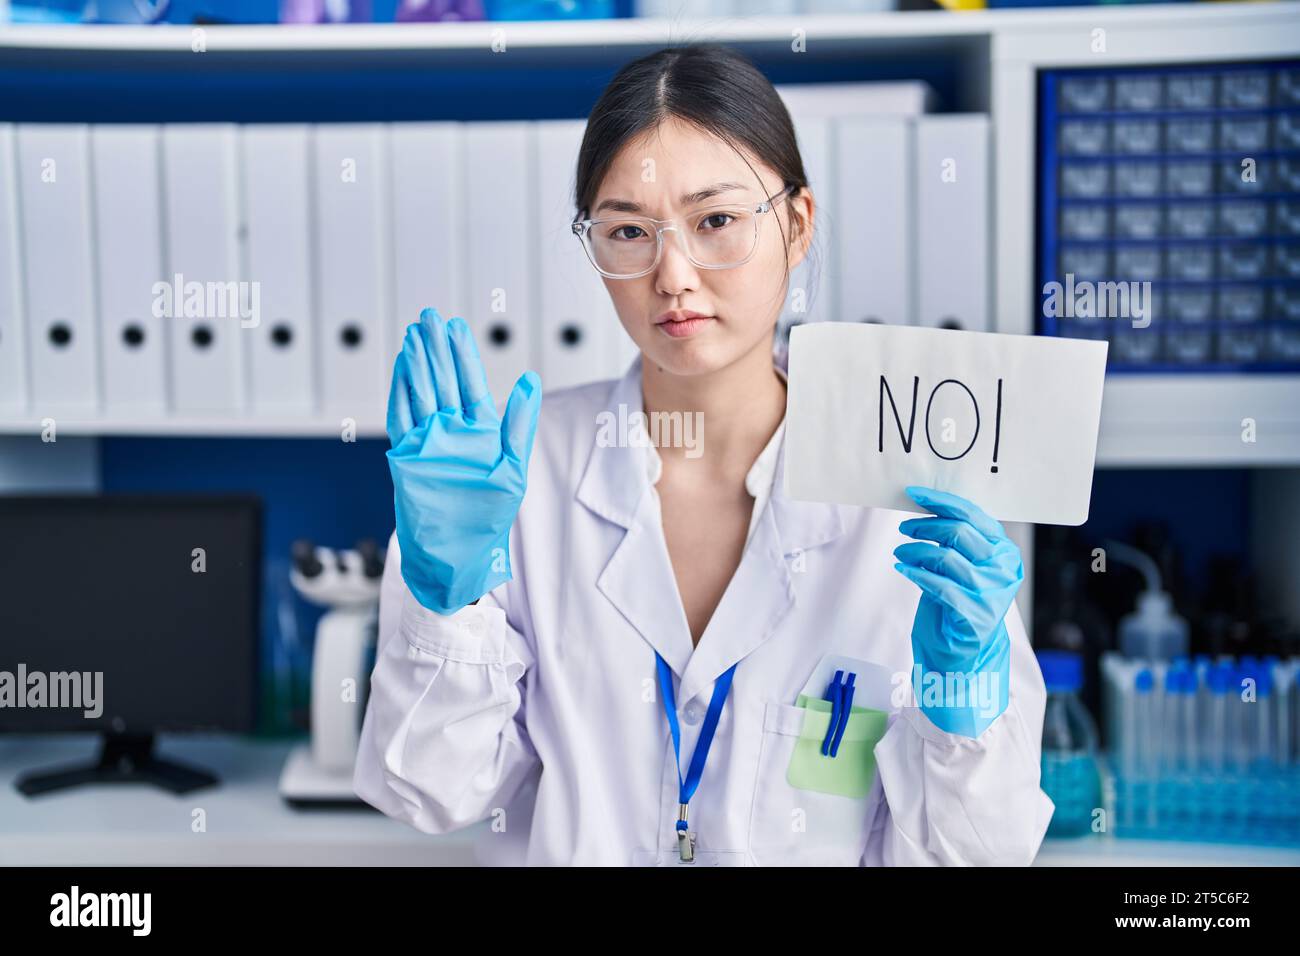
(658, 172)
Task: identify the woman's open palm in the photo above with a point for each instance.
(459, 469)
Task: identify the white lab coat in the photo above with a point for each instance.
(537, 709)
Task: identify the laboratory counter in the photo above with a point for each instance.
(246, 823)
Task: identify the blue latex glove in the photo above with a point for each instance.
(968, 578)
(459, 470)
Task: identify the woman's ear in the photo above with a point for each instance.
(803, 212)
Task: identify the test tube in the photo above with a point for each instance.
(1295, 710)
(1171, 734)
(1239, 715)
(1202, 665)
(1261, 713)
(1144, 712)
(1145, 708)
(1127, 737)
(1279, 710)
(1285, 712)
(1232, 715)
(1189, 710)
(1216, 739)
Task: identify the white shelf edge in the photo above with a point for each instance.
(628, 31)
(270, 427)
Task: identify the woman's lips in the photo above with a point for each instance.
(689, 324)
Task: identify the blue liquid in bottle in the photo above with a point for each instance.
(1069, 757)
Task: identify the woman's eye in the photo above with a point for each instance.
(628, 232)
(716, 220)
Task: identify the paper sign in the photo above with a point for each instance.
(1006, 421)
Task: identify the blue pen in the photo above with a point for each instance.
(846, 707)
(833, 695)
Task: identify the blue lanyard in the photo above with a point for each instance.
(688, 784)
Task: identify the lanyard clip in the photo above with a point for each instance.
(685, 839)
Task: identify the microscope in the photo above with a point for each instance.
(346, 582)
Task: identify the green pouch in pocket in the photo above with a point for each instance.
(851, 771)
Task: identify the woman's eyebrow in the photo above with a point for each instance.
(688, 199)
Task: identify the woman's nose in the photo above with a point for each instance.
(676, 273)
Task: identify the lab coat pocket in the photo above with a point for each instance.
(805, 814)
(852, 770)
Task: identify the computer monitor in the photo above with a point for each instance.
(128, 616)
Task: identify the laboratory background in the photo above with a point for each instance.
(341, 165)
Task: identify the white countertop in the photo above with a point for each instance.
(248, 824)
(1104, 851)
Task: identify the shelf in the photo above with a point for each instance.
(633, 31)
(313, 426)
(1147, 421)
(990, 59)
(1196, 420)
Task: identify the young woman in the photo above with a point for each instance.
(628, 663)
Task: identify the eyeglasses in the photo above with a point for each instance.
(718, 237)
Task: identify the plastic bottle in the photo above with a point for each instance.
(1153, 631)
(1069, 757)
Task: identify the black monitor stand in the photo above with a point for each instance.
(123, 758)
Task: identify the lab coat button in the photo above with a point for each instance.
(693, 714)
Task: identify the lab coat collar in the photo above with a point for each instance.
(638, 578)
(615, 479)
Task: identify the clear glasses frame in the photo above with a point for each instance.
(582, 228)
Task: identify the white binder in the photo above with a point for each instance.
(577, 324)
(811, 295)
(277, 213)
(54, 193)
(429, 206)
(13, 351)
(352, 230)
(953, 221)
(206, 330)
(128, 244)
(873, 210)
(502, 249)
(838, 100)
